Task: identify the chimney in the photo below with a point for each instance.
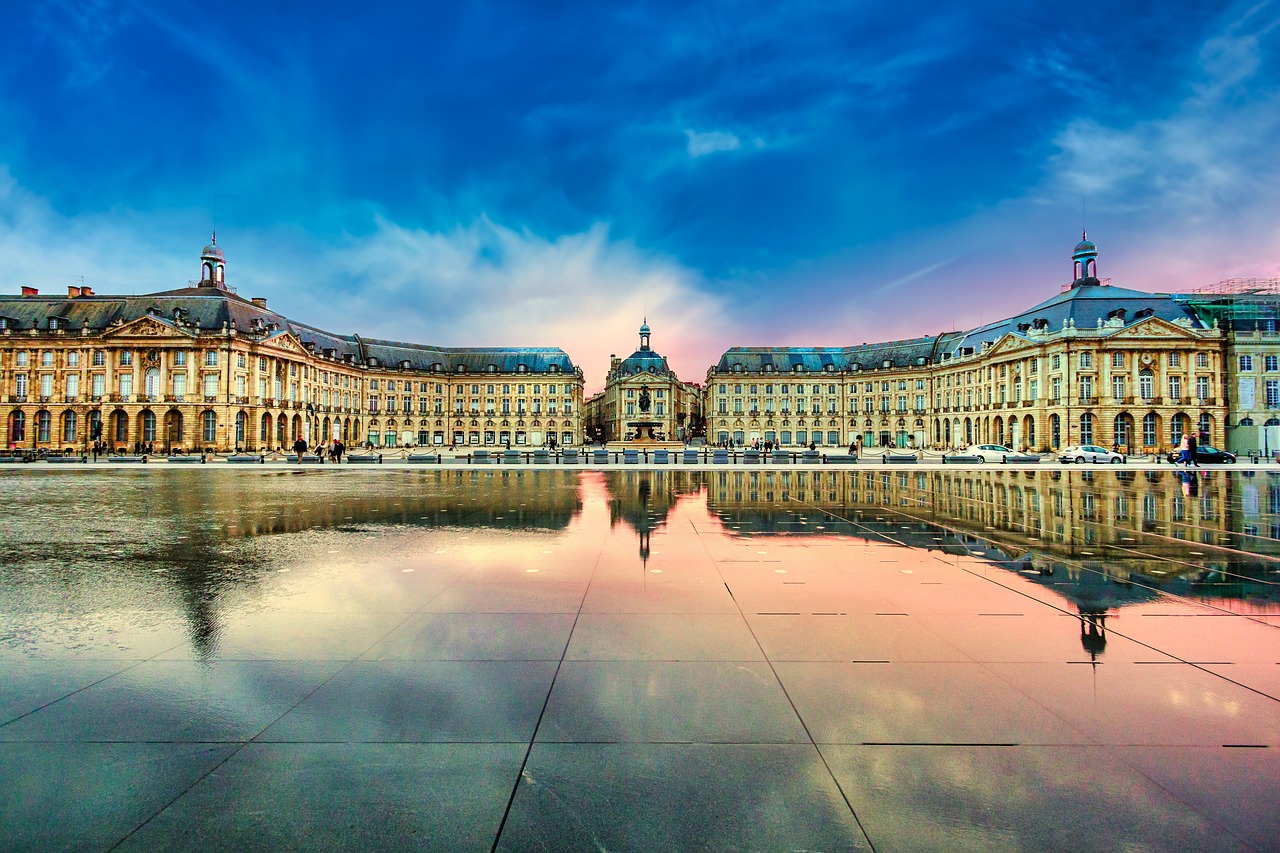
(260, 301)
(72, 291)
(29, 291)
(86, 291)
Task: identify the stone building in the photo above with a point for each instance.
(1093, 364)
(202, 367)
(642, 388)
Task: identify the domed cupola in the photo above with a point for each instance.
(644, 334)
(1085, 259)
(213, 265)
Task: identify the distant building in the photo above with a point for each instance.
(202, 367)
(1094, 364)
(642, 388)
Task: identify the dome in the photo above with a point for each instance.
(644, 328)
(212, 251)
(1085, 246)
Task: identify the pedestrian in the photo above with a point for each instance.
(1184, 455)
(1192, 444)
(852, 448)
(300, 447)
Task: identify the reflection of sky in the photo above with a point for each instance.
(393, 609)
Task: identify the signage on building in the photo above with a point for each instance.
(1246, 395)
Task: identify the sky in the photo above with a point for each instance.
(549, 174)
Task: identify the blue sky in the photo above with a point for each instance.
(546, 174)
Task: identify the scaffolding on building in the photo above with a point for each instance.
(1236, 302)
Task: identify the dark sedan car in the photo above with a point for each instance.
(1205, 453)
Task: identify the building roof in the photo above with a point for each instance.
(214, 309)
(824, 359)
(1083, 305)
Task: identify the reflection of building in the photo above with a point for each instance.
(1095, 364)
(643, 398)
(203, 367)
(1099, 530)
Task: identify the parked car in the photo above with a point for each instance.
(1082, 453)
(988, 452)
(1205, 453)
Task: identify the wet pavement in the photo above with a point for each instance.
(639, 660)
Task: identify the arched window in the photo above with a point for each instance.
(18, 426)
(43, 420)
(240, 424)
(209, 427)
(148, 426)
(121, 431)
(151, 386)
(1177, 428)
(264, 434)
(1086, 428)
(68, 426)
(1055, 431)
(1205, 427)
(1122, 430)
(1146, 384)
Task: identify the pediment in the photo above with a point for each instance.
(287, 342)
(149, 326)
(1153, 327)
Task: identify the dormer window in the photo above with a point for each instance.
(493, 368)
(53, 323)
(522, 368)
(461, 368)
(554, 368)
(829, 368)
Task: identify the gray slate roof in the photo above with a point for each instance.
(212, 309)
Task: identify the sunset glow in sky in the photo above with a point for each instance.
(484, 173)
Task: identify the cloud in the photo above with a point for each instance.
(702, 144)
(486, 284)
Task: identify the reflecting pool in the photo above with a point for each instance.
(639, 660)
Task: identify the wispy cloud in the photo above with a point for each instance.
(702, 144)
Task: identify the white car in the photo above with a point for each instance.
(988, 452)
(1081, 453)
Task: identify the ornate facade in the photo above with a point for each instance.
(202, 367)
(642, 388)
(1094, 364)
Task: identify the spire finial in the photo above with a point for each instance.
(215, 237)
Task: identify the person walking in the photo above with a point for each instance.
(300, 448)
(1192, 444)
(1184, 456)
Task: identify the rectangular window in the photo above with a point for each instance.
(240, 359)
(99, 358)
(46, 358)
(1117, 359)
(1086, 359)
(126, 385)
(73, 385)
(1202, 359)
(73, 359)
(1117, 388)
(22, 359)
(211, 385)
(1271, 363)
(1273, 393)
(180, 358)
(98, 382)
(46, 384)
(1175, 388)
(211, 358)
(126, 358)
(1175, 359)
(1202, 387)
(1246, 363)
